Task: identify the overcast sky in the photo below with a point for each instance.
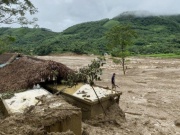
(58, 15)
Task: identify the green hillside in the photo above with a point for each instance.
(156, 34)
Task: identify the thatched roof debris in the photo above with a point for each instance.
(26, 71)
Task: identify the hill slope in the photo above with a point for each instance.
(156, 34)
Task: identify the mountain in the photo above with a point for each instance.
(156, 34)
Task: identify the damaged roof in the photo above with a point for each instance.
(26, 71)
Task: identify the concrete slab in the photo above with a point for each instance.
(40, 108)
(84, 97)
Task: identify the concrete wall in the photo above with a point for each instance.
(72, 123)
(91, 109)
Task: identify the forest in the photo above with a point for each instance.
(155, 35)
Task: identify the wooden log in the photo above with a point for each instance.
(133, 113)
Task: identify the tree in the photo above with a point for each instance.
(88, 74)
(119, 38)
(78, 48)
(14, 11)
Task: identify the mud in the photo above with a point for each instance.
(150, 99)
(149, 105)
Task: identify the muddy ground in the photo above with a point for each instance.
(150, 99)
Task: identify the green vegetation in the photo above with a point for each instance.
(14, 11)
(168, 55)
(156, 35)
(110, 24)
(5, 43)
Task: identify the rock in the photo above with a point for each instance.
(177, 122)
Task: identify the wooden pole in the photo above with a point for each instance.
(99, 100)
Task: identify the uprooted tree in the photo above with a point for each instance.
(88, 74)
(120, 37)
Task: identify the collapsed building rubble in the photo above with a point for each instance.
(84, 97)
(46, 113)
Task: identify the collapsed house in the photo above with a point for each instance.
(53, 113)
(41, 112)
(20, 73)
(92, 100)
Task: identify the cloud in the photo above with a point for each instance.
(57, 15)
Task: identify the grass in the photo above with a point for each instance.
(169, 55)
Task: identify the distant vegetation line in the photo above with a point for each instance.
(156, 35)
(169, 55)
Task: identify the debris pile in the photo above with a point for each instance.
(40, 119)
(20, 101)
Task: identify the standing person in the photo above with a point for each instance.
(113, 82)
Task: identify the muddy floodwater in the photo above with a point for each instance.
(151, 94)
